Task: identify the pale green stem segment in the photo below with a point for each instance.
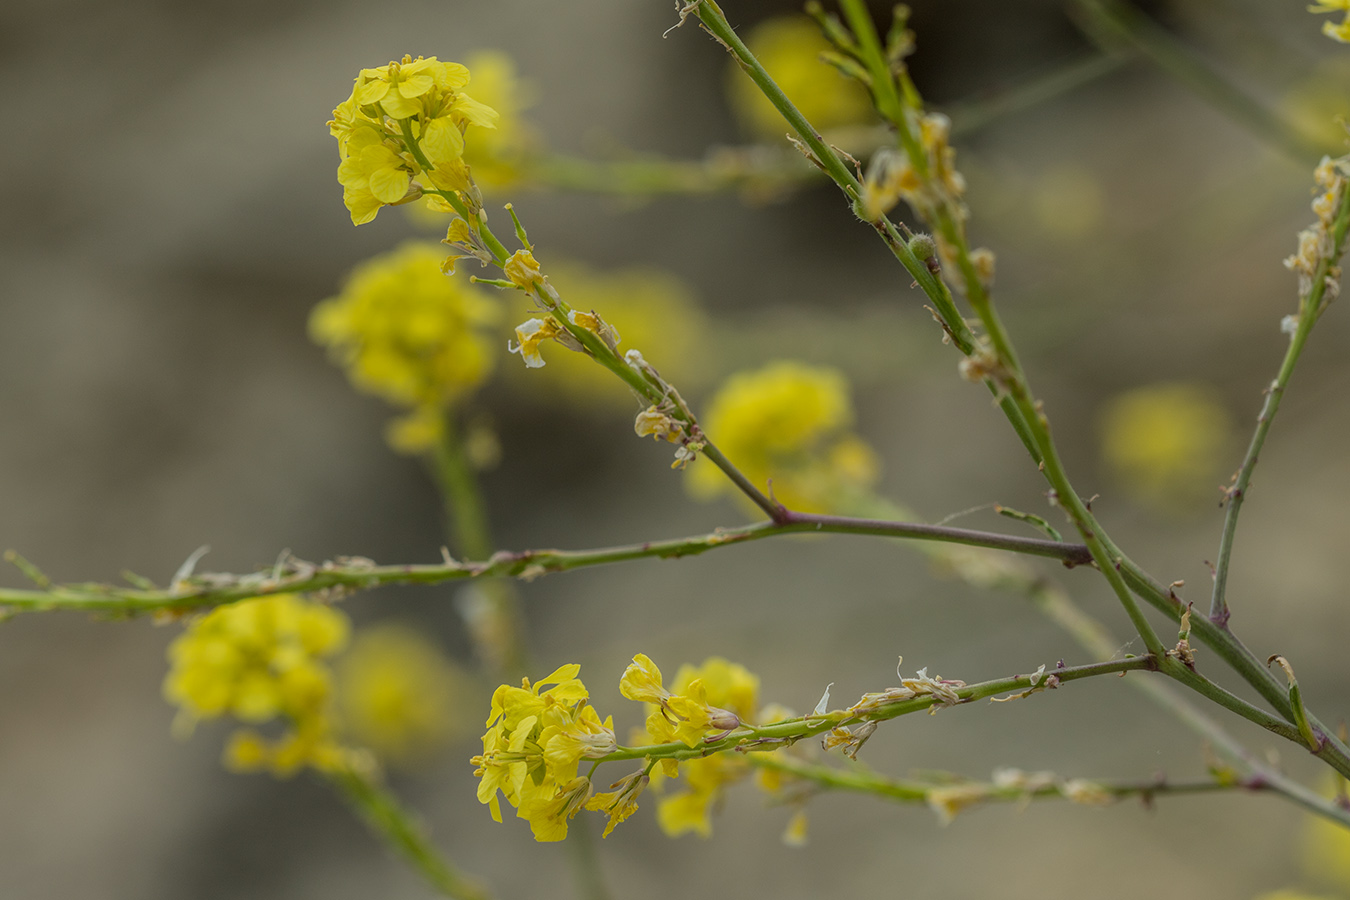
(860, 780)
(775, 736)
(1115, 25)
(295, 576)
(1310, 310)
(386, 817)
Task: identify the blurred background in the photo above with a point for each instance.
(172, 217)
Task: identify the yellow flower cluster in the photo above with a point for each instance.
(407, 333)
(789, 48)
(535, 740)
(259, 660)
(1335, 31)
(397, 694)
(538, 735)
(706, 702)
(788, 423)
(891, 177)
(404, 120)
(1165, 442)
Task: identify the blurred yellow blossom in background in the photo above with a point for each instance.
(1319, 105)
(406, 332)
(1165, 442)
(789, 48)
(258, 660)
(1338, 31)
(789, 422)
(498, 155)
(398, 694)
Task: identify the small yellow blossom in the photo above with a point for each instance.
(789, 48)
(652, 421)
(406, 332)
(1338, 31)
(531, 333)
(788, 424)
(397, 693)
(1165, 442)
(1088, 793)
(620, 801)
(522, 270)
(795, 833)
(258, 660)
(715, 696)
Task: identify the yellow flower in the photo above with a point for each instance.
(788, 423)
(397, 693)
(712, 697)
(406, 332)
(1338, 32)
(621, 800)
(535, 740)
(522, 270)
(789, 48)
(1165, 442)
(258, 660)
(398, 118)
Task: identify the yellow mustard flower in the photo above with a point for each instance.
(1165, 442)
(788, 423)
(652, 310)
(259, 660)
(704, 700)
(406, 332)
(535, 741)
(401, 121)
(789, 48)
(397, 694)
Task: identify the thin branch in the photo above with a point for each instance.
(349, 574)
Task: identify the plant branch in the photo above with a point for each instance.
(347, 574)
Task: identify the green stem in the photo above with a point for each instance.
(910, 791)
(296, 576)
(386, 818)
(1310, 310)
(771, 737)
(464, 507)
(586, 861)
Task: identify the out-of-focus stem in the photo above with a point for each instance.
(395, 826)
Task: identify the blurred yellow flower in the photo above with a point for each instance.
(1165, 442)
(788, 422)
(651, 310)
(398, 694)
(1319, 105)
(1337, 31)
(1326, 853)
(258, 660)
(499, 155)
(789, 48)
(408, 333)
